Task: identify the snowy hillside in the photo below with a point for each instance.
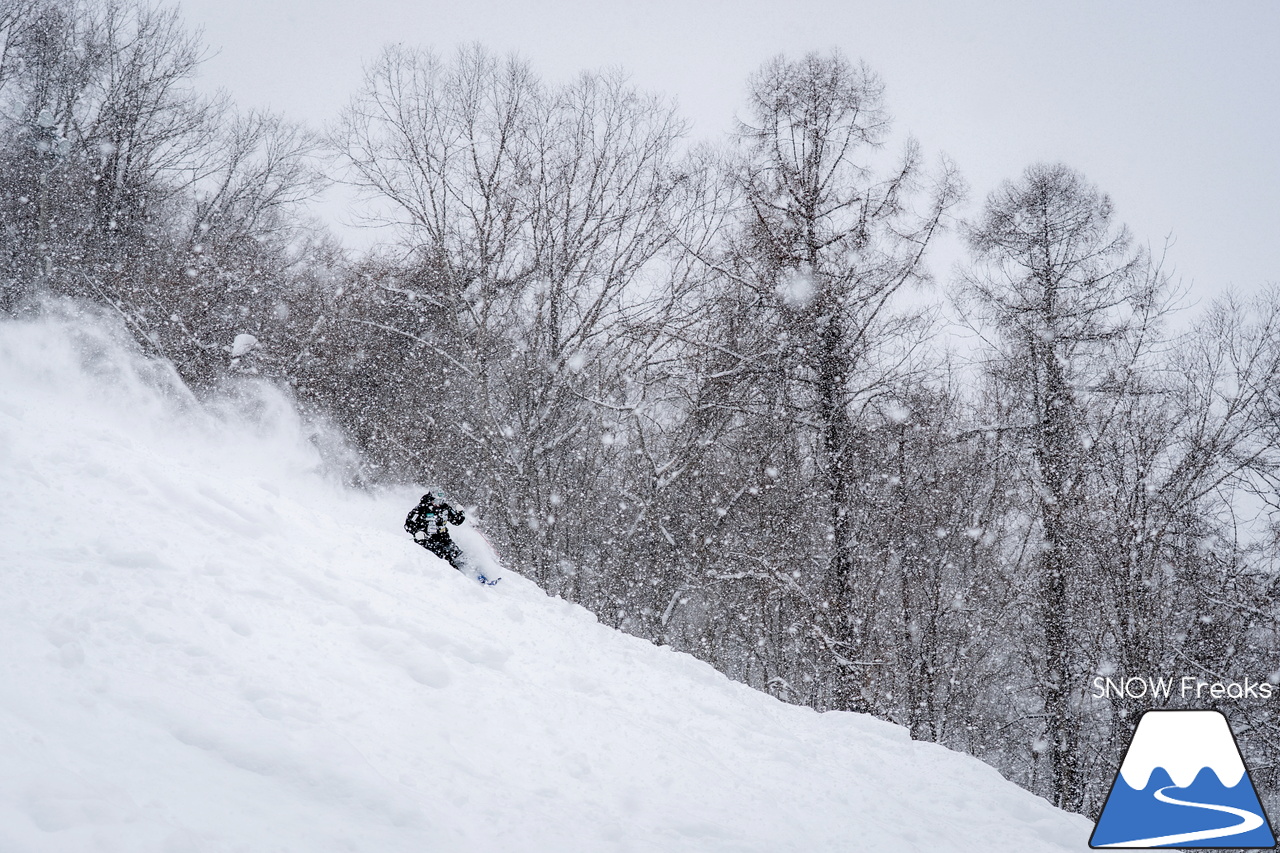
(208, 646)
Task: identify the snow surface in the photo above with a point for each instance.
(210, 645)
(243, 345)
(1183, 743)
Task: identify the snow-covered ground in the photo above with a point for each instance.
(208, 645)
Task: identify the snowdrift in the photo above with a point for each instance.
(210, 645)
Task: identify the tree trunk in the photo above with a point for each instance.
(1055, 461)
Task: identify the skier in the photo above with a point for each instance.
(428, 523)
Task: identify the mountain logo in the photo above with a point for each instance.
(1182, 783)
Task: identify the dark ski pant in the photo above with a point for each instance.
(445, 548)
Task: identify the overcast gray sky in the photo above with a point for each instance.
(1171, 107)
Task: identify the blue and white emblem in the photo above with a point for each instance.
(1182, 783)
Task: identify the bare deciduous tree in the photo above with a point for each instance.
(829, 237)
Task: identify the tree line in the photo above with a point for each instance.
(693, 386)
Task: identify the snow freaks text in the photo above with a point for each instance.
(1186, 687)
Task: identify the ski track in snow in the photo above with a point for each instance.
(211, 647)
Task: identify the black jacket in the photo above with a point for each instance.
(428, 519)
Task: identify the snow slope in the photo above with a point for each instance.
(209, 646)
